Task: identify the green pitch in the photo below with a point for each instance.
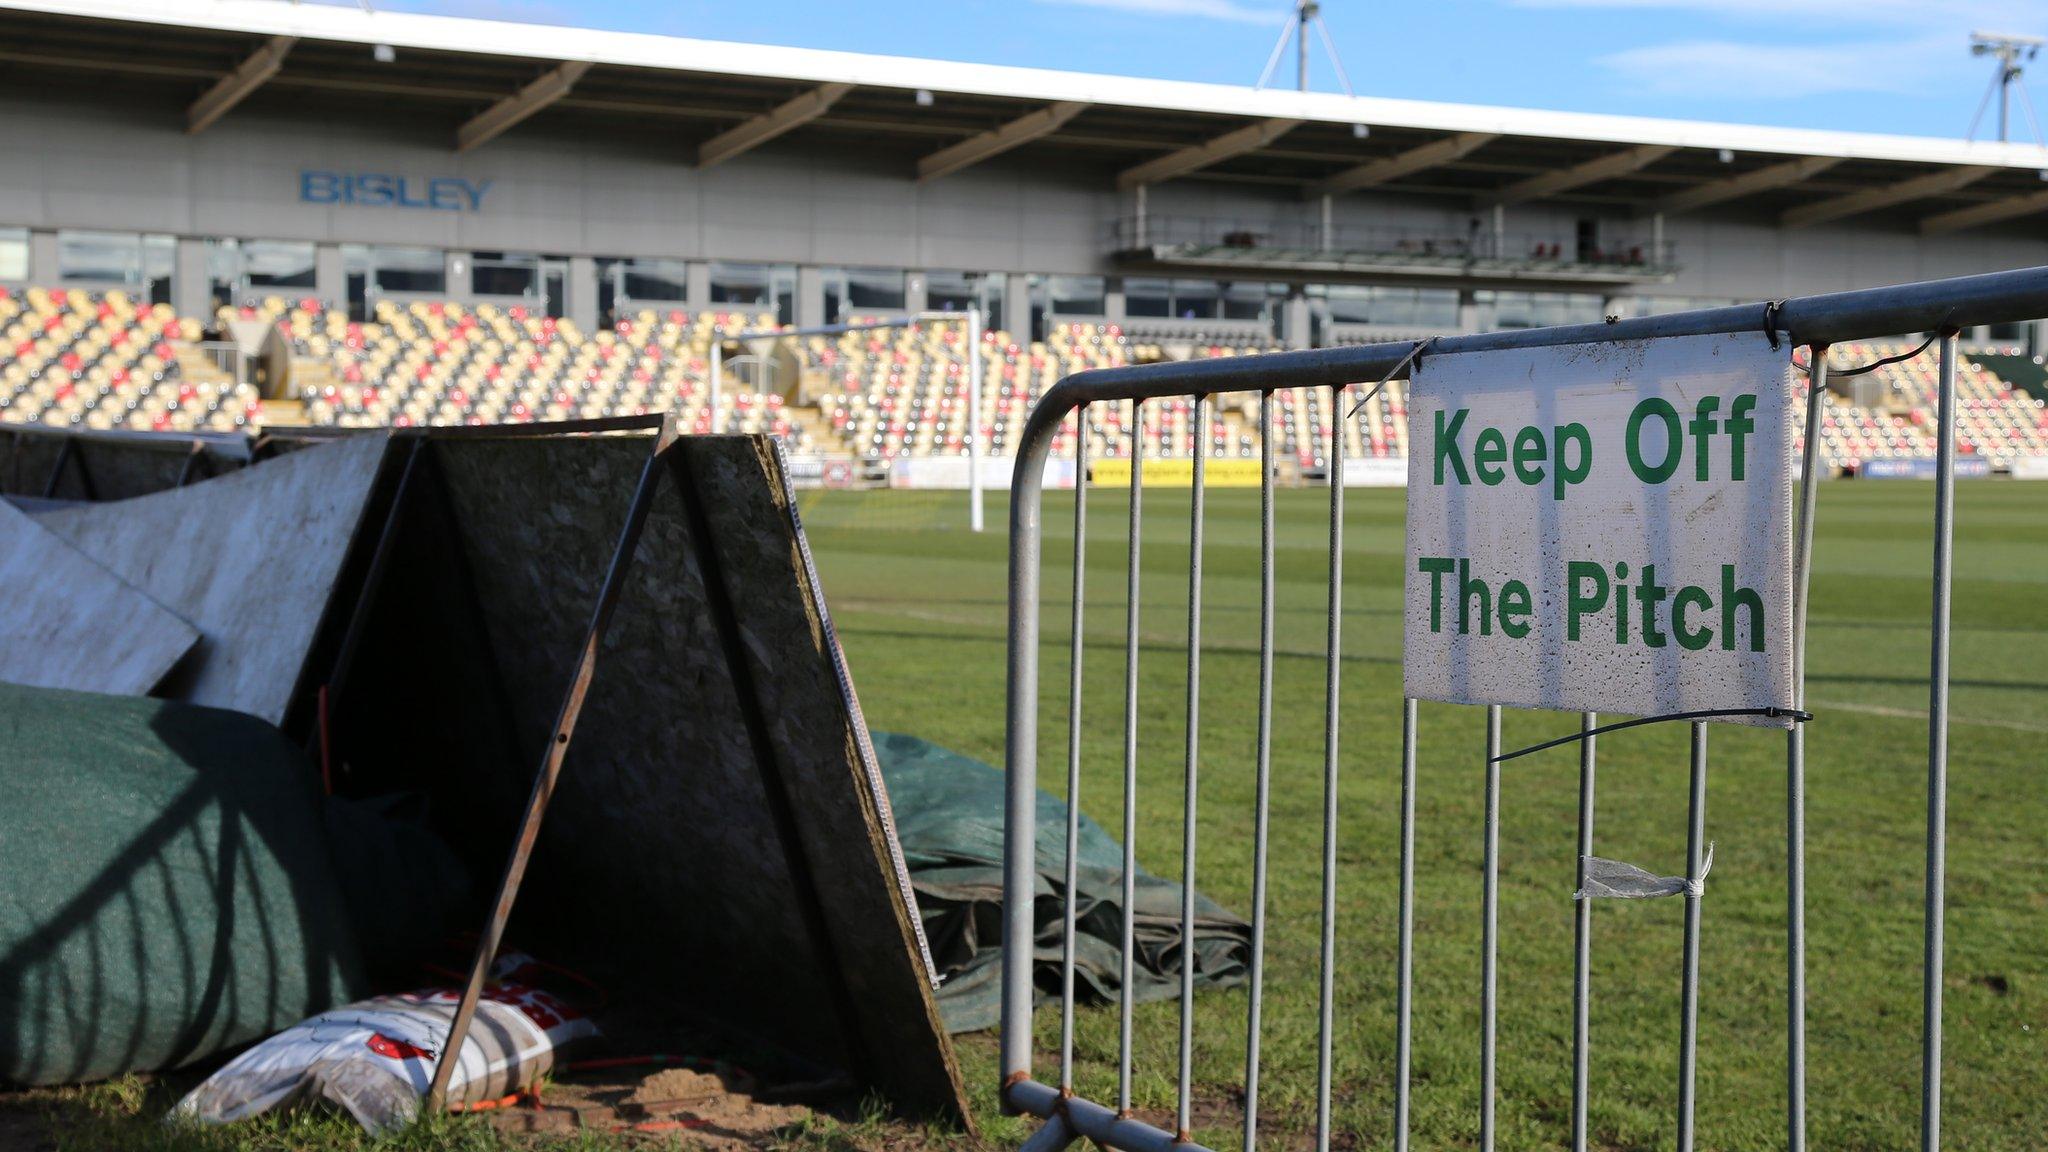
(919, 604)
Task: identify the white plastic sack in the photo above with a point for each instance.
(376, 1057)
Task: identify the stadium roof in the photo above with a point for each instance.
(709, 101)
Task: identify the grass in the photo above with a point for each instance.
(919, 605)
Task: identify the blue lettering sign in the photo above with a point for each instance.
(319, 187)
(384, 190)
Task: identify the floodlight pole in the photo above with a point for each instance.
(1303, 13)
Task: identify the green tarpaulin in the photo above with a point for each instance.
(949, 819)
(176, 884)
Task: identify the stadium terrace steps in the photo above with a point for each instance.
(101, 360)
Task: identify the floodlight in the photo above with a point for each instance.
(1360, 131)
(1727, 155)
(383, 53)
(924, 97)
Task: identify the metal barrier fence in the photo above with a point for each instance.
(1941, 307)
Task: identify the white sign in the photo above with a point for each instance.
(954, 472)
(1602, 527)
(1375, 472)
(2030, 468)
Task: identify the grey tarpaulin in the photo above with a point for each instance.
(949, 817)
(1612, 879)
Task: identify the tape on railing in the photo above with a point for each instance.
(1615, 880)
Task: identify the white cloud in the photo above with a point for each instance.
(1725, 70)
(1228, 10)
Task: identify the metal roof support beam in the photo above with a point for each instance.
(1194, 158)
(1749, 183)
(746, 137)
(997, 141)
(1579, 175)
(234, 87)
(1418, 159)
(1857, 203)
(495, 120)
(1981, 214)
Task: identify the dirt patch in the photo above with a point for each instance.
(718, 1109)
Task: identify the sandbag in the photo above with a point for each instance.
(949, 818)
(170, 890)
(374, 1060)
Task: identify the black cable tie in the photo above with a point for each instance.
(1798, 716)
(1771, 309)
(1874, 365)
(1414, 357)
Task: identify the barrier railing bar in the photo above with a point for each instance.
(1074, 751)
(1405, 963)
(1582, 939)
(1130, 892)
(1689, 987)
(1193, 771)
(1489, 944)
(1332, 671)
(1795, 767)
(1262, 803)
(1937, 750)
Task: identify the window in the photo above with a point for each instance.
(1404, 307)
(861, 290)
(13, 253)
(1174, 299)
(1499, 310)
(132, 260)
(1074, 295)
(408, 270)
(651, 279)
(1252, 301)
(960, 291)
(767, 286)
(505, 274)
(236, 269)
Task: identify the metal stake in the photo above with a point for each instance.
(1405, 979)
(1332, 673)
(1074, 753)
(1937, 752)
(1582, 960)
(1689, 988)
(1130, 873)
(1261, 805)
(1490, 931)
(1795, 768)
(1192, 772)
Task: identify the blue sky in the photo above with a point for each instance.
(1871, 65)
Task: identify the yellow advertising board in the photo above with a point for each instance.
(1229, 472)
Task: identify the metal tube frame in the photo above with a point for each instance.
(1817, 321)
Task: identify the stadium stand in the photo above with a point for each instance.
(101, 361)
(72, 358)
(428, 362)
(1994, 420)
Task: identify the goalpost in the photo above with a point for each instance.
(971, 317)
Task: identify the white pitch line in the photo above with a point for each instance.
(1911, 714)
